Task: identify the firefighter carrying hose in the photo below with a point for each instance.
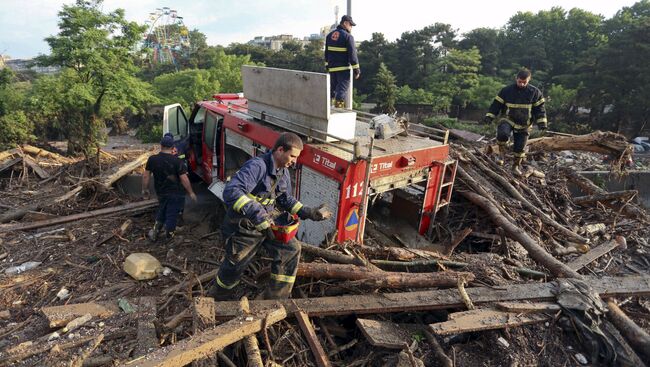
(261, 212)
(341, 56)
(518, 106)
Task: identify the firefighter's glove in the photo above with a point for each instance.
(145, 194)
(265, 229)
(357, 73)
(542, 127)
(487, 120)
(316, 214)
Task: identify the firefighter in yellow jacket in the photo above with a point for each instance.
(517, 106)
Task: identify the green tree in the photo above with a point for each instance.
(226, 70)
(457, 74)
(185, 87)
(371, 54)
(385, 90)
(93, 49)
(487, 42)
(482, 94)
(621, 74)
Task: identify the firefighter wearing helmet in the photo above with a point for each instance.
(261, 212)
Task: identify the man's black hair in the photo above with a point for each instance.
(523, 74)
(288, 141)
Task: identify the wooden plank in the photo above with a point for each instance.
(316, 348)
(106, 182)
(439, 299)
(147, 338)
(594, 254)
(35, 167)
(58, 316)
(528, 306)
(209, 341)
(203, 317)
(10, 163)
(388, 334)
(484, 319)
(140, 205)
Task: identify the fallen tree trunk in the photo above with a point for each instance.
(610, 196)
(605, 142)
(505, 221)
(514, 193)
(628, 209)
(17, 214)
(637, 337)
(439, 299)
(45, 153)
(75, 217)
(385, 278)
(399, 253)
(124, 170)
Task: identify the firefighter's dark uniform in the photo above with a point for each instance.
(341, 56)
(251, 197)
(518, 108)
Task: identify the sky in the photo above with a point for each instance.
(25, 24)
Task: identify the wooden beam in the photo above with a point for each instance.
(637, 337)
(10, 163)
(209, 341)
(528, 306)
(141, 205)
(595, 253)
(203, 317)
(439, 299)
(484, 319)
(320, 356)
(35, 167)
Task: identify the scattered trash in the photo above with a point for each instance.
(63, 294)
(142, 266)
(72, 325)
(125, 305)
(166, 271)
(503, 342)
(581, 358)
(22, 267)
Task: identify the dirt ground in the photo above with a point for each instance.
(85, 257)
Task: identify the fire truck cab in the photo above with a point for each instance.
(342, 163)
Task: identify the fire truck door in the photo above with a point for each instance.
(210, 160)
(175, 122)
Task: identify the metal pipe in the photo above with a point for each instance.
(364, 200)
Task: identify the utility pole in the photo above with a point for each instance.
(349, 8)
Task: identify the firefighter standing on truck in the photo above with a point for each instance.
(518, 105)
(256, 197)
(341, 56)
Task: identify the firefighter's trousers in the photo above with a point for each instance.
(169, 208)
(242, 243)
(519, 138)
(340, 85)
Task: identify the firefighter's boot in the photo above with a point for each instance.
(169, 235)
(155, 231)
(339, 104)
(221, 294)
(516, 166)
(500, 159)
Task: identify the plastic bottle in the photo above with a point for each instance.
(22, 267)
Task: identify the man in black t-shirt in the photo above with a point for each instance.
(170, 182)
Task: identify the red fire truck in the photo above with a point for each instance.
(342, 164)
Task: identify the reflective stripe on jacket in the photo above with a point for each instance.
(340, 51)
(521, 107)
(248, 193)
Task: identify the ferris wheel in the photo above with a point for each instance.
(167, 36)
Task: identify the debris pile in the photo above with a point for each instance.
(521, 272)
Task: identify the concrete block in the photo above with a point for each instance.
(142, 266)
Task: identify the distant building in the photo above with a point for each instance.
(23, 65)
(275, 42)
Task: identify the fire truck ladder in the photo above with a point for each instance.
(445, 189)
